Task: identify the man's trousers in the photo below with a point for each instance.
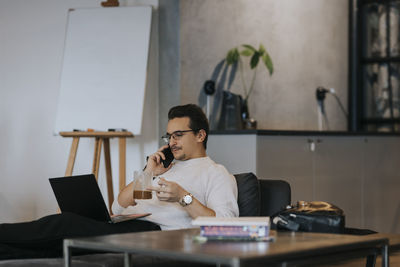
(44, 237)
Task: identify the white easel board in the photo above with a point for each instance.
(104, 68)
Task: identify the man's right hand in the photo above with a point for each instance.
(154, 163)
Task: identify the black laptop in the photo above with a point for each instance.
(81, 195)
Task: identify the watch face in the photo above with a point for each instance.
(187, 199)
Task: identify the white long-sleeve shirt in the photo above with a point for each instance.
(208, 182)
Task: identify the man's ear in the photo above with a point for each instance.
(201, 135)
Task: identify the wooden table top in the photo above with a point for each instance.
(394, 239)
(180, 243)
(108, 134)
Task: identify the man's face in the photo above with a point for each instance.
(184, 145)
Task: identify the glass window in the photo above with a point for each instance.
(379, 64)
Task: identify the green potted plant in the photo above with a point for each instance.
(234, 57)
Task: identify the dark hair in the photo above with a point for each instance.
(198, 119)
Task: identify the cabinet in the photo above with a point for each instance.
(360, 174)
(382, 184)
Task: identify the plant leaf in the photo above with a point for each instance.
(236, 55)
(247, 52)
(232, 56)
(254, 60)
(262, 50)
(228, 57)
(250, 47)
(268, 62)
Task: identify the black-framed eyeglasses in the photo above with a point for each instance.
(175, 135)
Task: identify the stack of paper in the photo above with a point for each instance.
(237, 228)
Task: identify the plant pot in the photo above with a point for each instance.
(248, 123)
(230, 118)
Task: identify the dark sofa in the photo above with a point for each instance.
(255, 198)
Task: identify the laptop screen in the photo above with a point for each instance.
(80, 195)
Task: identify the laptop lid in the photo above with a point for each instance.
(81, 195)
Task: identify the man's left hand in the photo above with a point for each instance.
(168, 191)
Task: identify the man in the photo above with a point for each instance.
(193, 186)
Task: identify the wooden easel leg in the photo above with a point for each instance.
(72, 156)
(122, 163)
(107, 158)
(96, 158)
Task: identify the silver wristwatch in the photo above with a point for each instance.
(186, 200)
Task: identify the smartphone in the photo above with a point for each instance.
(169, 157)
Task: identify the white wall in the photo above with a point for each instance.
(31, 48)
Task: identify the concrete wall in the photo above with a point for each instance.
(169, 61)
(31, 48)
(307, 40)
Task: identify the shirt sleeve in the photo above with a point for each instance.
(222, 193)
(116, 208)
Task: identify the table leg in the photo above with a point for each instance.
(67, 255)
(385, 255)
(72, 156)
(127, 259)
(371, 260)
(122, 163)
(96, 157)
(107, 158)
(235, 263)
